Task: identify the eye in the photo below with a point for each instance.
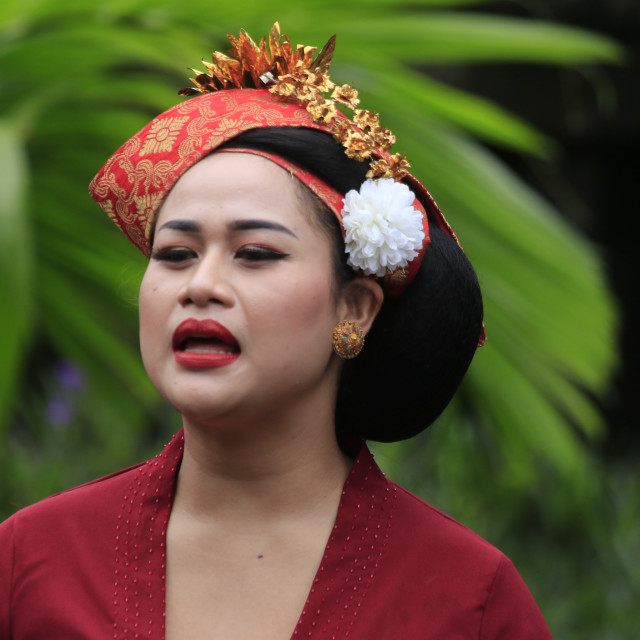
(173, 255)
(259, 254)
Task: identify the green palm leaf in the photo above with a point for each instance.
(16, 262)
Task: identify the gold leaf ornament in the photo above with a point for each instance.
(294, 74)
(346, 95)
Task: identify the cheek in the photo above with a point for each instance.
(150, 315)
(155, 293)
(309, 305)
(145, 298)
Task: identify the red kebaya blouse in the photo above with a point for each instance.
(89, 563)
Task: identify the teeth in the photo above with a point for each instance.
(203, 350)
(196, 344)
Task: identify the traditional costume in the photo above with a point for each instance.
(89, 563)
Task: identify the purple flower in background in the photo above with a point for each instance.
(68, 381)
(68, 375)
(60, 411)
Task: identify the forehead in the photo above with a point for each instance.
(225, 175)
(234, 185)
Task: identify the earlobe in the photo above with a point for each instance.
(361, 301)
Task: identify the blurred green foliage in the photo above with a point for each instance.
(513, 457)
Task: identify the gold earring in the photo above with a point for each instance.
(348, 339)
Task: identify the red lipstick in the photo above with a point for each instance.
(204, 344)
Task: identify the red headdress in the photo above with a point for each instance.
(270, 86)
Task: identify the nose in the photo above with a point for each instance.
(208, 283)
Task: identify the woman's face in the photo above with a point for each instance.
(237, 305)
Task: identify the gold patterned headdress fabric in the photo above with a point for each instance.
(295, 74)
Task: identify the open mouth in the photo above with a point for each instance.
(204, 344)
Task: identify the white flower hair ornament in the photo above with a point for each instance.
(384, 232)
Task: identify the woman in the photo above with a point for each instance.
(266, 516)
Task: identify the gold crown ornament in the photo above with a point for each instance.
(297, 75)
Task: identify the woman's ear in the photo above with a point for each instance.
(361, 300)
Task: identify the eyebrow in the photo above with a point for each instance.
(248, 225)
(190, 226)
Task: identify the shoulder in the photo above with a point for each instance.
(83, 515)
(46, 548)
(420, 541)
(78, 503)
(99, 498)
(430, 546)
(66, 549)
(458, 578)
(429, 524)
(77, 524)
(430, 571)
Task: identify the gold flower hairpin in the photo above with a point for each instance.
(296, 74)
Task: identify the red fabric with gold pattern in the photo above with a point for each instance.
(133, 183)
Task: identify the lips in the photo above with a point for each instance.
(204, 344)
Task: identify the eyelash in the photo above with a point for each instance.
(172, 255)
(251, 254)
(257, 254)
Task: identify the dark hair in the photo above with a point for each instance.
(421, 342)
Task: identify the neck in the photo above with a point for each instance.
(269, 468)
